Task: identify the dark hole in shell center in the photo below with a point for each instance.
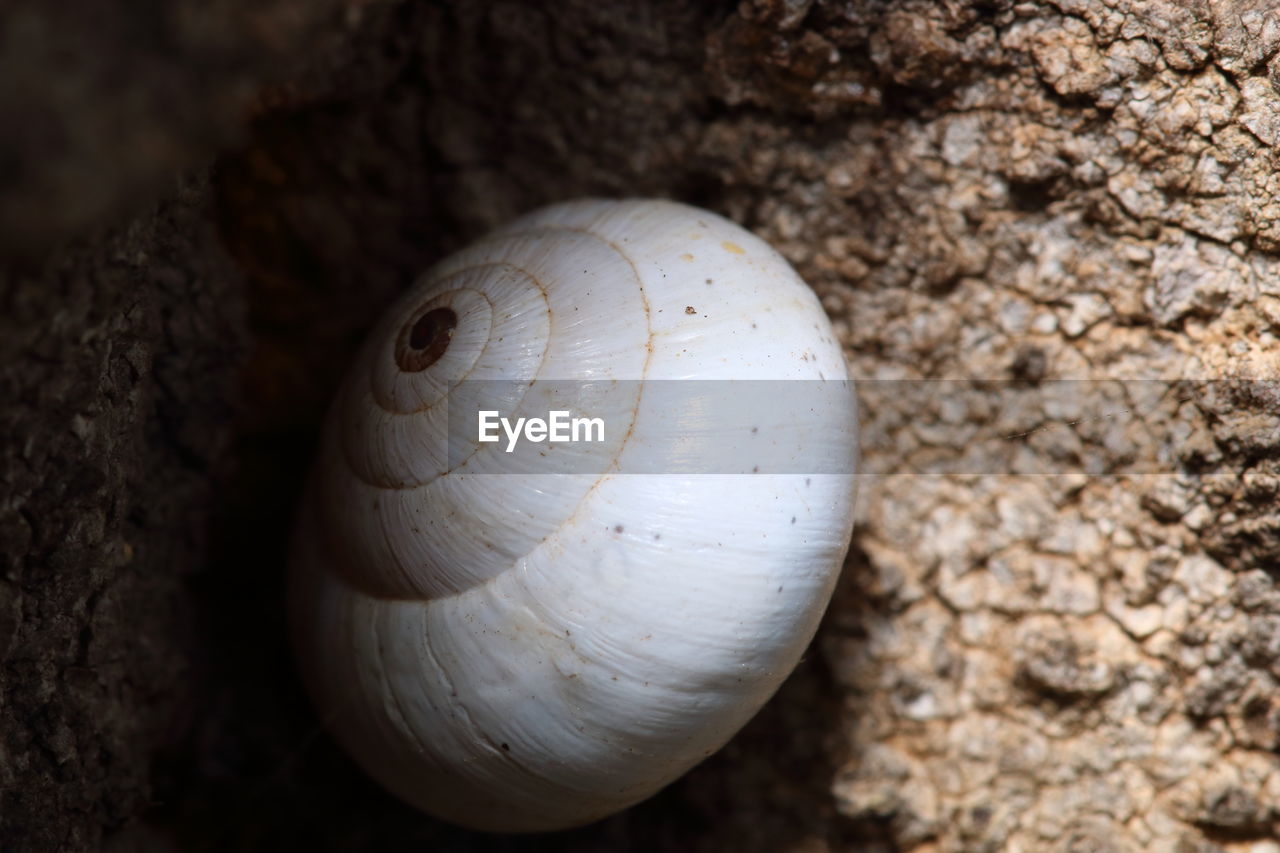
(423, 341)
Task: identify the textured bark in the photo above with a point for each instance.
(117, 370)
(1033, 191)
(118, 360)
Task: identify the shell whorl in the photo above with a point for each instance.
(519, 650)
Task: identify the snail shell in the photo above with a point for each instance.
(538, 650)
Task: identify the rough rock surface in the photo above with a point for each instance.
(1060, 623)
(118, 361)
(109, 448)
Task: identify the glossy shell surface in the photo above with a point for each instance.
(516, 650)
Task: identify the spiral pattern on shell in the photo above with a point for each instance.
(518, 650)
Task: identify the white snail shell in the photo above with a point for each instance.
(536, 651)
